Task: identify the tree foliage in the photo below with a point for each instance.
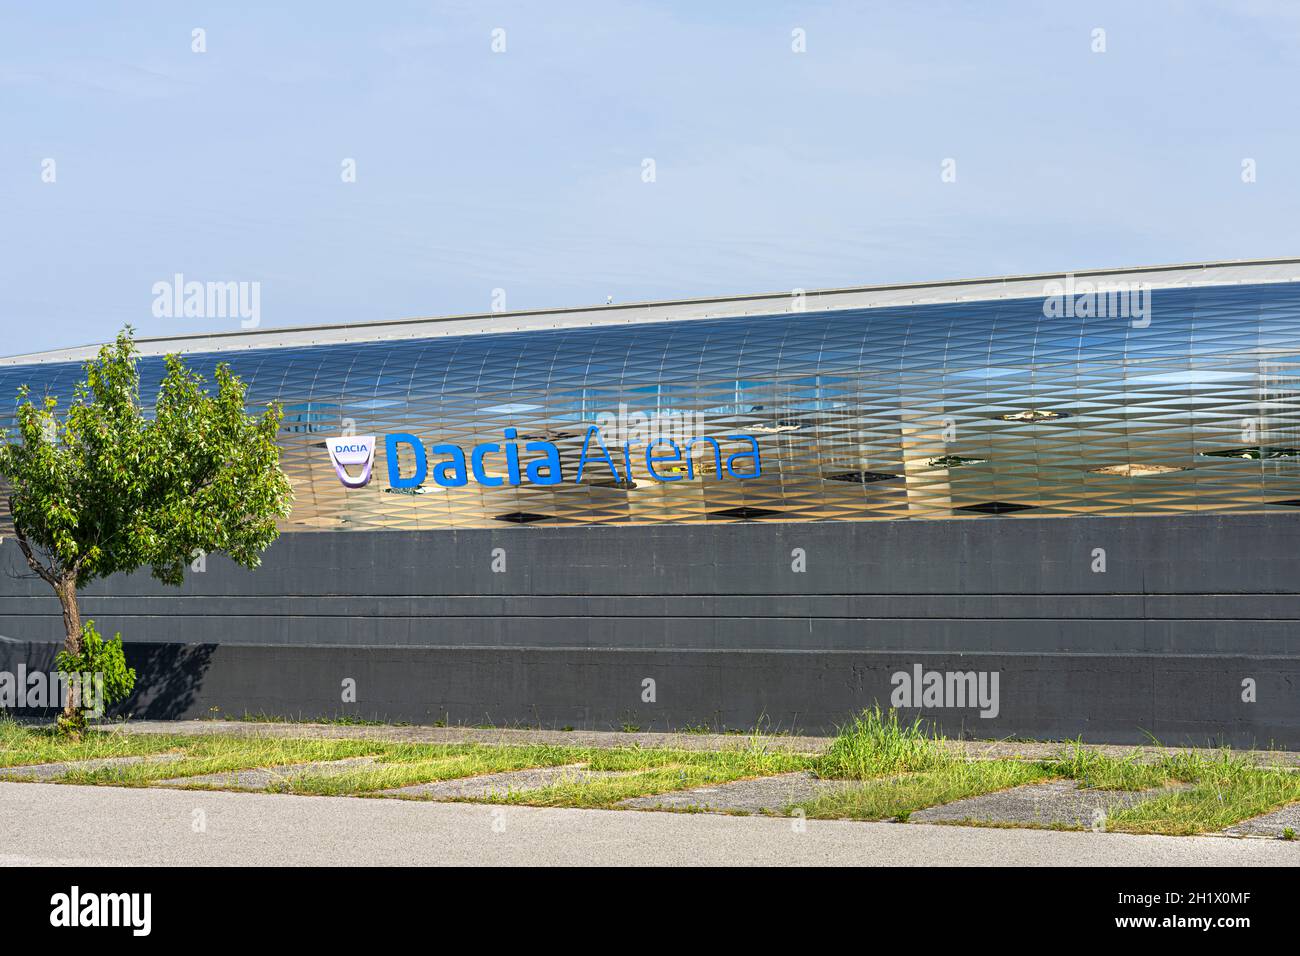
(108, 488)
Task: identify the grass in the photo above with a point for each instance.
(652, 770)
(900, 796)
(876, 744)
(606, 792)
(655, 771)
(1096, 770)
(217, 754)
(891, 769)
(433, 763)
(752, 761)
(1224, 790)
(1205, 791)
(22, 744)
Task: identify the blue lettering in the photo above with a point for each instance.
(651, 458)
(456, 467)
(395, 479)
(476, 463)
(451, 472)
(512, 457)
(603, 456)
(554, 475)
(752, 454)
(690, 460)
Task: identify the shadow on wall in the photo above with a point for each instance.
(168, 679)
(18, 661)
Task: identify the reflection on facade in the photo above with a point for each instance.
(934, 411)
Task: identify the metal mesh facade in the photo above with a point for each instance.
(964, 410)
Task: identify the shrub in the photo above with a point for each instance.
(100, 658)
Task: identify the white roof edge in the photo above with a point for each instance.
(814, 300)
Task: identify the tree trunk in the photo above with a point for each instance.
(66, 588)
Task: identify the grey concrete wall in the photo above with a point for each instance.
(1187, 609)
(1177, 699)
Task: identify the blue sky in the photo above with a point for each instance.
(522, 170)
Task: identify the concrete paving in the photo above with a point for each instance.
(974, 749)
(59, 825)
(499, 784)
(48, 771)
(1056, 802)
(259, 778)
(1273, 824)
(760, 795)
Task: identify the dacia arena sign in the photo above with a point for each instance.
(538, 463)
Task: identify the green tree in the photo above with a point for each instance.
(110, 486)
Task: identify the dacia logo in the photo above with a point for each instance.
(352, 452)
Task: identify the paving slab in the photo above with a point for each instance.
(48, 771)
(1273, 824)
(1060, 802)
(761, 794)
(259, 778)
(498, 784)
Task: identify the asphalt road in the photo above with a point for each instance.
(54, 824)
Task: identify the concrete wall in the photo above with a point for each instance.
(1187, 609)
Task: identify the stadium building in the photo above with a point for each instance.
(1044, 506)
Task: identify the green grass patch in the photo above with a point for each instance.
(1220, 798)
(605, 793)
(1100, 771)
(898, 797)
(751, 761)
(397, 764)
(450, 762)
(214, 754)
(21, 744)
(653, 771)
(665, 769)
(877, 744)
